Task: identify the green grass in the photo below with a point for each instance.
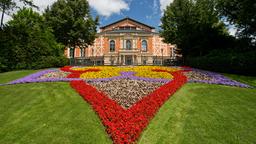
(205, 114)
(13, 75)
(244, 79)
(45, 113)
(197, 114)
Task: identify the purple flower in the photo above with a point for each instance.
(129, 75)
(217, 79)
(213, 78)
(35, 78)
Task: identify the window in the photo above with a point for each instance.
(82, 52)
(128, 44)
(144, 45)
(71, 52)
(112, 46)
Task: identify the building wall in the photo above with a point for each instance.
(101, 46)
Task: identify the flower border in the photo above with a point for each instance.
(75, 75)
(218, 79)
(33, 78)
(125, 126)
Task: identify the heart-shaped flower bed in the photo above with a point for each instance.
(125, 125)
(127, 98)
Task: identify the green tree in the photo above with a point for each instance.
(72, 23)
(194, 26)
(241, 13)
(7, 5)
(28, 43)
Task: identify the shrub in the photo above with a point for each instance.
(50, 61)
(26, 43)
(226, 61)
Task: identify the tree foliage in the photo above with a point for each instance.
(194, 26)
(27, 43)
(7, 5)
(72, 22)
(241, 13)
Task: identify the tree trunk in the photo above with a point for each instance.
(2, 18)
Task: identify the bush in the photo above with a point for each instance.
(26, 43)
(226, 62)
(50, 61)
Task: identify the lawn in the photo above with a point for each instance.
(244, 79)
(55, 113)
(201, 113)
(47, 113)
(9, 76)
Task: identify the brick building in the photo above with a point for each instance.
(125, 42)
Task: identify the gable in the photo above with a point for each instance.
(127, 23)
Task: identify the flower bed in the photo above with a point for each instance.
(108, 73)
(54, 74)
(126, 92)
(127, 98)
(125, 126)
(40, 77)
(201, 76)
(140, 71)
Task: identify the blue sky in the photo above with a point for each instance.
(145, 11)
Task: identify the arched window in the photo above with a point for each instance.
(112, 46)
(144, 45)
(128, 44)
(71, 52)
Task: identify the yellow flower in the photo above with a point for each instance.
(140, 71)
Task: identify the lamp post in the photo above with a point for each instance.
(111, 60)
(140, 56)
(118, 58)
(96, 56)
(93, 57)
(83, 52)
(162, 56)
(71, 53)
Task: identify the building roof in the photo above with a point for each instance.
(127, 18)
(128, 31)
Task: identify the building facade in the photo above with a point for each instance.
(125, 42)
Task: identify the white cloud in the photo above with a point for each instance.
(43, 4)
(108, 7)
(155, 7)
(164, 4)
(103, 7)
(149, 16)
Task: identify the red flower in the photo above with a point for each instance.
(125, 126)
